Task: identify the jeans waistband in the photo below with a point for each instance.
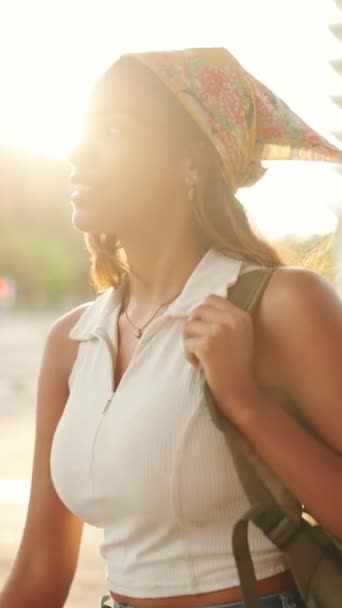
(285, 599)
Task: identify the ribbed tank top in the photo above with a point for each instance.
(145, 462)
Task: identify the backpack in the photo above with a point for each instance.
(313, 554)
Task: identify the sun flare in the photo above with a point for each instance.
(52, 55)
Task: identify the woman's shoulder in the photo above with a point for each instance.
(296, 287)
(291, 286)
(59, 346)
(78, 321)
(77, 325)
(299, 307)
(63, 325)
(286, 284)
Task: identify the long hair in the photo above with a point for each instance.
(219, 217)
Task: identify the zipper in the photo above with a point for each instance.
(102, 334)
(107, 404)
(94, 442)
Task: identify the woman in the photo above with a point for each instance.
(123, 439)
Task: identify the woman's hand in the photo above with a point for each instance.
(299, 309)
(219, 336)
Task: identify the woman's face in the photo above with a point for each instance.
(127, 169)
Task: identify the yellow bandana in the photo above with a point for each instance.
(244, 120)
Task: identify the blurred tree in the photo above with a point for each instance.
(39, 246)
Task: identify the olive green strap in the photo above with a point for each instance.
(244, 563)
(274, 510)
(259, 481)
(264, 512)
(276, 526)
(249, 288)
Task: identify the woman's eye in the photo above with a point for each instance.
(111, 132)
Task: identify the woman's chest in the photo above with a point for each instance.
(152, 445)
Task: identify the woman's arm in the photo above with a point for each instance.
(300, 323)
(46, 560)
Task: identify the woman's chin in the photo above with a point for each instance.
(86, 220)
(94, 219)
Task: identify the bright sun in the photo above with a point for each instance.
(46, 119)
(51, 56)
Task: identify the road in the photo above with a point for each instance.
(22, 338)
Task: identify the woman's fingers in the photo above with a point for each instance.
(190, 348)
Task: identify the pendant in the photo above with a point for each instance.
(138, 333)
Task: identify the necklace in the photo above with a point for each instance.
(139, 330)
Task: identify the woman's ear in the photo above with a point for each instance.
(190, 178)
(190, 170)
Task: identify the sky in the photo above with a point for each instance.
(51, 53)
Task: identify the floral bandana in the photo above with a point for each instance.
(244, 120)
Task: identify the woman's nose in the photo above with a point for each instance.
(75, 155)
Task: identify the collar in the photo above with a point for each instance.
(214, 274)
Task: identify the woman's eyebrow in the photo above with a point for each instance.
(106, 113)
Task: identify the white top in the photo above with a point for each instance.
(146, 463)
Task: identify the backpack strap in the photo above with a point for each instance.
(277, 514)
(278, 528)
(258, 479)
(248, 290)
(273, 508)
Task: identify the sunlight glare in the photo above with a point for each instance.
(59, 49)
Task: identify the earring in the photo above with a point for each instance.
(191, 182)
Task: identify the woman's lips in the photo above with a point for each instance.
(82, 193)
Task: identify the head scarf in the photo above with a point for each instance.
(244, 120)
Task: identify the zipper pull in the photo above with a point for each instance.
(107, 404)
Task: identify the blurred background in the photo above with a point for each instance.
(50, 55)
